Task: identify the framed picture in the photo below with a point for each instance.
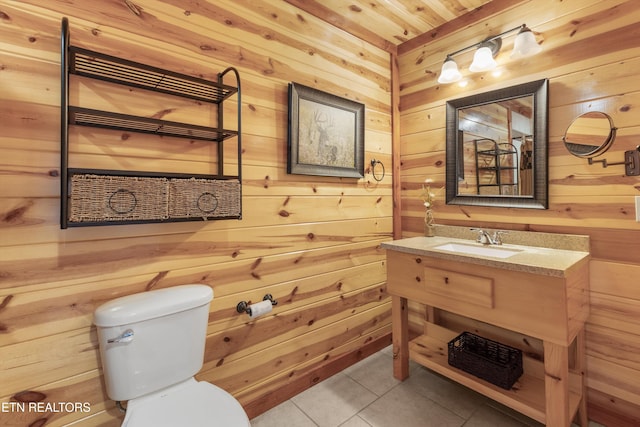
(326, 134)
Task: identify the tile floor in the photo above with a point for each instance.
(367, 395)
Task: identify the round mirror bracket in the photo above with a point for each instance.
(631, 162)
(581, 140)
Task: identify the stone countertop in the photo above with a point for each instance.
(546, 261)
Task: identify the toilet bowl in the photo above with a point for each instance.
(189, 404)
(151, 347)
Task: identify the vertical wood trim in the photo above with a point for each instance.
(400, 337)
(580, 366)
(556, 384)
(395, 145)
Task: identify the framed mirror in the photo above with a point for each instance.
(497, 148)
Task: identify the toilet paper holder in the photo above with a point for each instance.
(243, 306)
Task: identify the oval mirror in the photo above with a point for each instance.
(590, 134)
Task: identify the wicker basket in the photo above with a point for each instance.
(490, 360)
(204, 198)
(104, 198)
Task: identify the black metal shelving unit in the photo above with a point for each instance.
(492, 162)
(96, 65)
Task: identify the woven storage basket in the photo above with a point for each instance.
(204, 198)
(103, 198)
(490, 360)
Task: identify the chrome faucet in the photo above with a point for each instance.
(486, 239)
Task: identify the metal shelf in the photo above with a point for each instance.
(490, 163)
(109, 120)
(99, 66)
(86, 63)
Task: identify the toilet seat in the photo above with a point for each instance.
(190, 403)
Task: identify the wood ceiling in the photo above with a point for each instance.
(392, 23)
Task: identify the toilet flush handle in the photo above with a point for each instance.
(124, 337)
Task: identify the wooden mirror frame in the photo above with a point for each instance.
(540, 197)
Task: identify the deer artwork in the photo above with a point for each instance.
(322, 125)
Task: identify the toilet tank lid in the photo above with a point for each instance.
(150, 305)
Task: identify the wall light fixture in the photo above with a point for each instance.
(483, 60)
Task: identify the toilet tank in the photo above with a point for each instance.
(151, 340)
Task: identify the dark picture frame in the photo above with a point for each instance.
(326, 134)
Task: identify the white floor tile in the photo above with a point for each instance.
(403, 407)
(284, 415)
(367, 395)
(355, 422)
(453, 396)
(487, 416)
(374, 373)
(334, 401)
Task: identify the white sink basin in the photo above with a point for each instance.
(488, 251)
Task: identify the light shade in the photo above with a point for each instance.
(483, 60)
(525, 44)
(449, 72)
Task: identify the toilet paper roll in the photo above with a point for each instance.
(260, 308)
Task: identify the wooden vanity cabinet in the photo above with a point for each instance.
(550, 308)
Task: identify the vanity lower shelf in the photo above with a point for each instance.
(528, 394)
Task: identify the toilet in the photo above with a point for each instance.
(151, 346)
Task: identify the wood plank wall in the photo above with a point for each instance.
(311, 242)
(591, 57)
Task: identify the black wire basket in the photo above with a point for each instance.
(489, 360)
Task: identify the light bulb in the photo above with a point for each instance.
(525, 44)
(449, 72)
(483, 60)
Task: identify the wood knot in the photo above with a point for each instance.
(29, 396)
(256, 263)
(133, 7)
(40, 422)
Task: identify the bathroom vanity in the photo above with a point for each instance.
(535, 291)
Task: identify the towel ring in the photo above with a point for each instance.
(375, 162)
